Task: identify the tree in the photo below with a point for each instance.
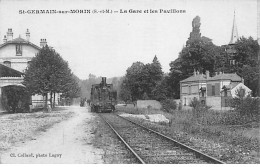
(71, 89)
(199, 55)
(141, 79)
(49, 73)
(125, 94)
(245, 61)
(160, 91)
(156, 75)
(134, 80)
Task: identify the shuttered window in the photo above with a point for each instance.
(209, 90)
(217, 89)
(213, 90)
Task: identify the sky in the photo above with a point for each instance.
(106, 44)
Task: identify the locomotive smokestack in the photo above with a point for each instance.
(104, 80)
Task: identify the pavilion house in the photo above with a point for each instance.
(213, 91)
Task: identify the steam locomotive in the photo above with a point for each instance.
(103, 97)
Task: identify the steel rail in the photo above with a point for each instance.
(197, 153)
(121, 138)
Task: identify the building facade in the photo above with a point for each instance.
(215, 91)
(16, 54)
(190, 88)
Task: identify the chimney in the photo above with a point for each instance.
(27, 35)
(5, 39)
(198, 73)
(9, 34)
(43, 43)
(194, 72)
(207, 74)
(242, 80)
(104, 82)
(216, 73)
(220, 73)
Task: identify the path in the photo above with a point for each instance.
(63, 143)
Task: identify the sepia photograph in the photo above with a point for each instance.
(130, 82)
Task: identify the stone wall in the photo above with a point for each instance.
(214, 102)
(145, 103)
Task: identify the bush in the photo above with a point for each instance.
(246, 106)
(169, 104)
(15, 99)
(199, 109)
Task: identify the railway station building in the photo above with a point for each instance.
(15, 56)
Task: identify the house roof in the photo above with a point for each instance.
(9, 72)
(199, 77)
(19, 40)
(230, 86)
(232, 77)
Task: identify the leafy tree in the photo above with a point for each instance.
(124, 93)
(156, 76)
(199, 55)
(245, 61)
(141, 79)
(71, 89)
(49, 73)
(134, 80)
(161, 92)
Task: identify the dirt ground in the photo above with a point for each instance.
(67, 142)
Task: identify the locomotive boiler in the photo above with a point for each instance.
(103, 97)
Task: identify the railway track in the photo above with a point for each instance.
(149, 146)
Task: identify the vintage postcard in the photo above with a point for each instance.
(129, 81)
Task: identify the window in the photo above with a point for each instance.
(7, 63)
(232, 62)
(19, 50)
(213, 90)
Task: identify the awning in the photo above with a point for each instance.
(12, 84)
(9, 72)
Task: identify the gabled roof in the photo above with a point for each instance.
(199, 77)
(19, 40)
(9, 72)
(230, 86)
(233, 77)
